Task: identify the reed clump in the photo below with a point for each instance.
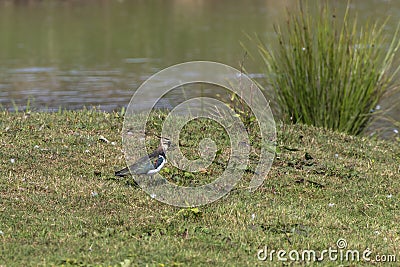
(329, 71)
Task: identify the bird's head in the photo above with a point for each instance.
(165, 143)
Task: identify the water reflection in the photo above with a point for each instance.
(97, 53)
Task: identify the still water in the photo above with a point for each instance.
(72, 54)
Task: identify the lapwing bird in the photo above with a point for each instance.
(150, 164)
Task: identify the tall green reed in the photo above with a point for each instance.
(328, 71)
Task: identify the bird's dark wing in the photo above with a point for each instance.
(123, 172)
(142, 166)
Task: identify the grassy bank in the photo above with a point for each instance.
(60, 203)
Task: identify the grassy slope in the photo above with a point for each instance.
(60, 204)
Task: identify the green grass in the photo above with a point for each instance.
(328, 71)
(60, 203)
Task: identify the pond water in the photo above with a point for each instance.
(72, 54)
